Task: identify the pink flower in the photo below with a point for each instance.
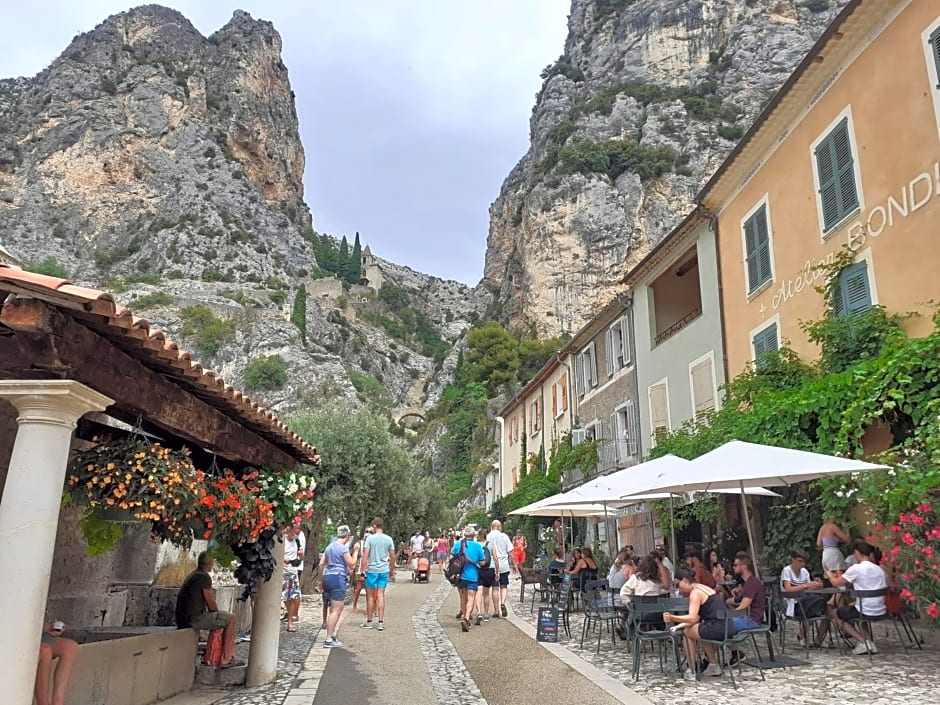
(927, 551)
(879, 527)
(902, 518)
(895, 528)
(908, 539)
(932, 611)
(907, 595)
(895, 550)
(919, 520)
(924, 508)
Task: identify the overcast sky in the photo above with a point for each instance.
(411, 112)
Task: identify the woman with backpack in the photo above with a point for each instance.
(487, 579)
(463, 572)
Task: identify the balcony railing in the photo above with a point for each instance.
(612, 455)
(679, 325)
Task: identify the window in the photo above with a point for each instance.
(618, 347)
(586, 370)
(625, 427)
(702, 377)
(535, 417)
(766, 341)
(835, 172)
(853, 294)
(560, 396)
(659, 410)
(757, 249)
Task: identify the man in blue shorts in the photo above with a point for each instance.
(469, 575)
(378, 562)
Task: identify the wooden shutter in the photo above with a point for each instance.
(765, 342)
(625, 341)
(703, 387)
(579, 375)
(609, 349)
(564, 391)
(757, 245)
(659, 410)
(631, 432)
(854, 292)
(593, 369)
(935, 52)
(835, 168)
(554, 400)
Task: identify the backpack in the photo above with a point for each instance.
(487, 556)
(456, 565)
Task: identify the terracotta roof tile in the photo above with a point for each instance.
(151, 344)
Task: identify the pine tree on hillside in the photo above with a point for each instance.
(356, 261)
(342, 260)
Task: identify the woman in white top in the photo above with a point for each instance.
(645, 581)
(865, 574)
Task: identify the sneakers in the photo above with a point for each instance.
(865, 647)
(381, 626)
(496, 615)
(367, 624)
(244, 636)
(800, 640)
(460, 615)
(735, 657)
(713, 669)
(332, 643)
(486, 618)
(688, 675)
(479, 619)
(503, 610)
(464, 625)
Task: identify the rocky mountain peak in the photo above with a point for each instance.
(643, 105)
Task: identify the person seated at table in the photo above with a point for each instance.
(864, 574)
(705, 620)
(645, 581)
(621, 570)
(795, 579)
(585, 569)
(699, 571)
(714, 565)
(575, 557)
(557, 566)
(660, 551)
(752, 597)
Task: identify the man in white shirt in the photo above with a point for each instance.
(795, 579)
(295, 543)
(863, 575)
(501, 546)
(417, 548)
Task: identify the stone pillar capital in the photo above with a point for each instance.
(59, 402)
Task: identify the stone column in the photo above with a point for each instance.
(266, 625)
(29, 515)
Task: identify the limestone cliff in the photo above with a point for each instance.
(644, 103)
(167, 166)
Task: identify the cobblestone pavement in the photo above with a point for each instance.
(292, 655)
(892, 678)
(450, 679)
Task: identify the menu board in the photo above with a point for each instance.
(547, 628)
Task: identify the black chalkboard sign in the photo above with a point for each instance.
(547, 629)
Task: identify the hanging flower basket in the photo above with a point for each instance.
(232, 512)
(140, 481)
(289, 493)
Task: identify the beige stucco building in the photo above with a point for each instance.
(847, 154)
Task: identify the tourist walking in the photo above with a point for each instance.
(502, 554)
(828, 539)
(486, 579)
(469, 575)
(295, 544)
(359, 578)
(519, 546)
(378, 564)
(335, 565)
(442, 550)
(196, 609)
(417, 548)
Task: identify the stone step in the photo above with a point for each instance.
(211, 675)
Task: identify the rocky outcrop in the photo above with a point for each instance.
(167, 166)
(647, 99)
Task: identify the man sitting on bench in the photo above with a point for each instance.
(196, 609)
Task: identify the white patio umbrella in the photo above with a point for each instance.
(737, 464)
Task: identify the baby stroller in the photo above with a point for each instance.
(421, 570)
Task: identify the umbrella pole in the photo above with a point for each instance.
(672, 531)
(750, 531)
(606, 530)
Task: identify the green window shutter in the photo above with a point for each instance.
(854, 289)
(765, 342)
(757, 245)
(835, 167)
(935, 51)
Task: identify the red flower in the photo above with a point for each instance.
(927, 551)
(908, 539)
(902, 518)
(907, 595)
(879, 527)
(895, 550)
(895, 528)
(924, 508)
(917, 520)
(932, 611)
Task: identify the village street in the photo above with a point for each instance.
(422, 658)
